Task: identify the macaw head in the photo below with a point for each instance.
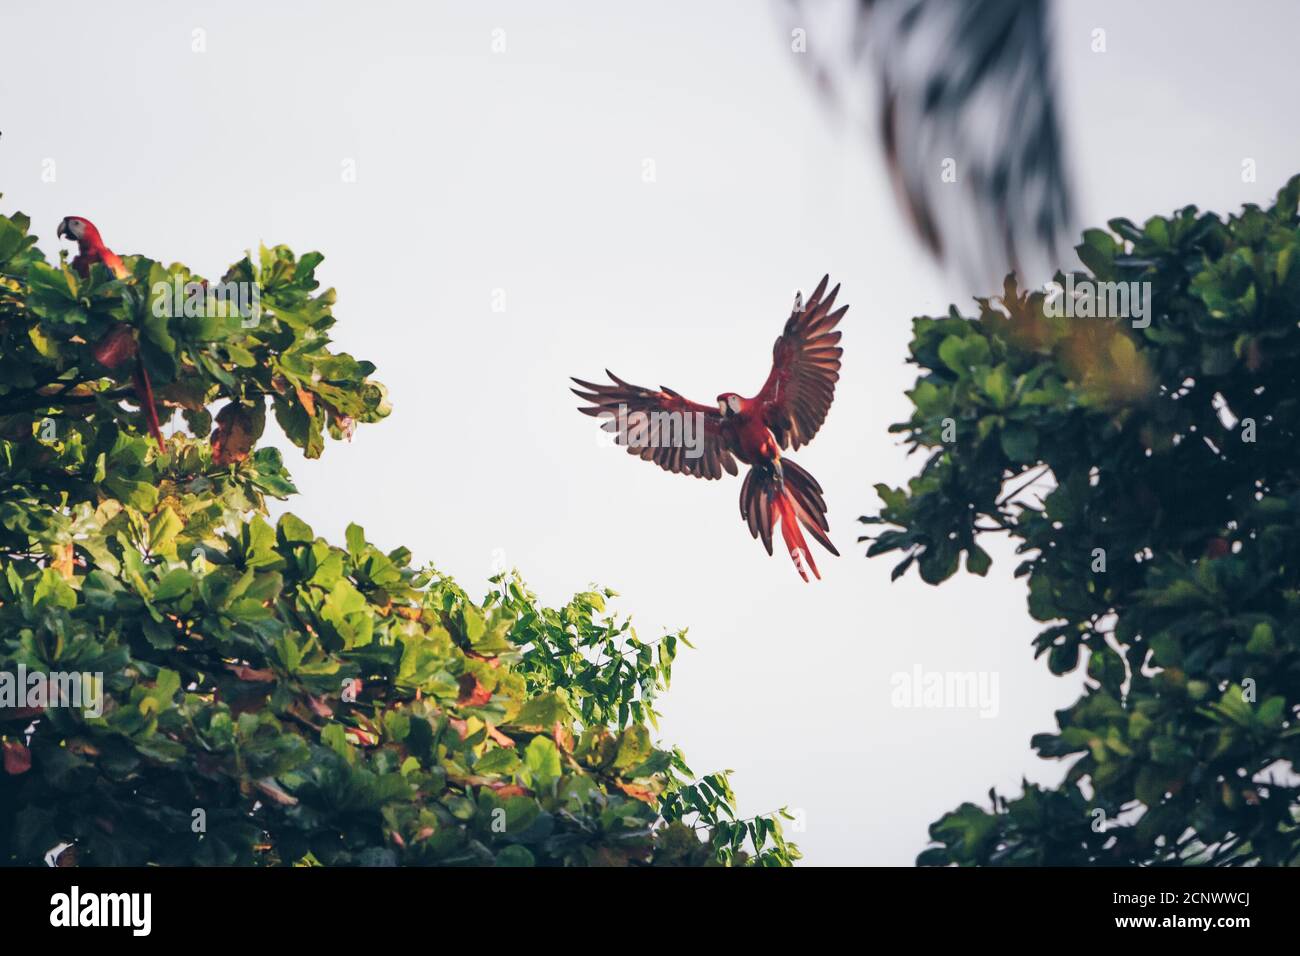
(79, 230)
(729, 403)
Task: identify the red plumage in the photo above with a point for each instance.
(119, 344)
(786, 413)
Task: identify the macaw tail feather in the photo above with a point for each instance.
(144, 389)
(783, 493)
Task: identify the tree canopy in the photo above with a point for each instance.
(1150, 478)
(268, 697)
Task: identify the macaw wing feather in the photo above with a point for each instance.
(661, 426)
(805, 367)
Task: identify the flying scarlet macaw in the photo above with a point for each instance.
(786, 413)
(119, 344)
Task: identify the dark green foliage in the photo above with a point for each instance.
(270, 698)
(1168, 457)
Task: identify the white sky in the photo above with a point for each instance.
(522, 171)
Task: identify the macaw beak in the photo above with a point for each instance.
(63, 232)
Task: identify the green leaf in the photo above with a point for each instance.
(543, 761)
(1019, 442)
(53, 591)
(163, 529)
(175, 583)
(515, 855)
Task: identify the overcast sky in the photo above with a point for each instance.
(519, 176)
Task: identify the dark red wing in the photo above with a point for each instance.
(661, 426)
(805, 367)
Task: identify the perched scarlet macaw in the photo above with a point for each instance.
(119, 345)
(786, 414)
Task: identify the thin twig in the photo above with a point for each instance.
(1011, 494)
